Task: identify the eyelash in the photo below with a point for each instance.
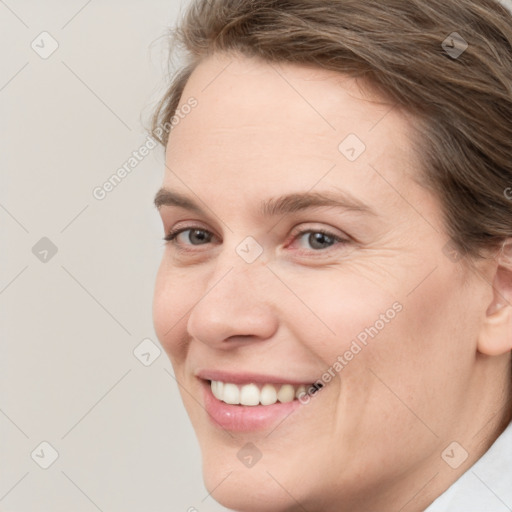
(172, 235)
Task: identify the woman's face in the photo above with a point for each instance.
(272, 283)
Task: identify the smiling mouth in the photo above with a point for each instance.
(260, 394)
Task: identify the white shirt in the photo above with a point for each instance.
(484, 487)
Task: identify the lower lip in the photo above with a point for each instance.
(245, 418)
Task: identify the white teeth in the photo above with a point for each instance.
(301, 391)
(251, 394)
(217, 387)
(230, 394)
(286, 393)
(268, 395)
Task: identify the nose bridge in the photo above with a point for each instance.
(238, 282)
(241, 267)
(242, 264)
(233, 303)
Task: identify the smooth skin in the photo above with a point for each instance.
(439, 372)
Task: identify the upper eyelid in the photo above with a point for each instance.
(178, 231)
(296, 230)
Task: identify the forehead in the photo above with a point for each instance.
(266, 125)
(242, 95)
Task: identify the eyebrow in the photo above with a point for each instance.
(286, 204)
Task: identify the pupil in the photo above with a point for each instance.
(199, 236)
(318, 240)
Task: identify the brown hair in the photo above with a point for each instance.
(462, 103)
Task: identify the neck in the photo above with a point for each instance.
(475, 428)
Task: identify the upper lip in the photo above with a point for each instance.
(248, 378)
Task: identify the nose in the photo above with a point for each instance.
(236, 306)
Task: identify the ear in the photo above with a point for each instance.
(496, 333)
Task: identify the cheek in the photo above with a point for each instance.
(409, 340)
(175, 294)
(413, 361)
(342, 308)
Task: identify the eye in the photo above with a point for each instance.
(192, 236)
(312, 240)
(317, 239)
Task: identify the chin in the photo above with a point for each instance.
(248, 490)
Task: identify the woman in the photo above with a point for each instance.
(336, 290)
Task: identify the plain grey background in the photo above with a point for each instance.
(72, 321)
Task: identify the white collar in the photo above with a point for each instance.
(485, 486)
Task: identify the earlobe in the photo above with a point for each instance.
(495, 337)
